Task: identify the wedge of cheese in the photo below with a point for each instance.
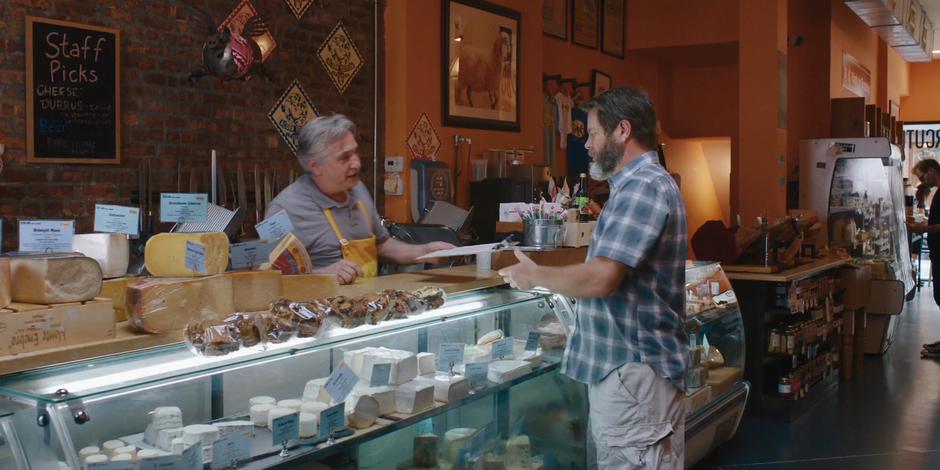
(165, 254)
(255, 290)
(110, 250)
(5, 296)
(447, 388)
(414, 397)
(116, 290)
(159, 305)
(307, 287)
(52, 279)
(289, 256)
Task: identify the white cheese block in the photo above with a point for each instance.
(262, 400)
(455, 440)
(414, 397)
(361, 411)
(85, 452)
(109, 447)
(255, 290)
(129, 450)
(54, 279)
(165, 254)
(143, 454)
(6, 296)
(160, 305)
(384, 395)
(203, 434)
(447, 388)
(278, 413)
(177, 446)
(122, 458)
(293, 404)
(315, 390)
(245, 429)
(425, 451)
(518, 453)
(165, 437)
(162, 417)
(473, 354)
(259, 414)
(504, 371)
(110, 250)
(427, 363)
(308, 424)
(404, 363)
(97, 458)
(313, 407)
(532, 357)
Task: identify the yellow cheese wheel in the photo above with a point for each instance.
(165, 254)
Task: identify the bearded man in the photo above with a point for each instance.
(629, 344)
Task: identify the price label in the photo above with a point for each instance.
(195, 256)
(380, 375)
(229, 450)
(285, 428)
(117, 219)
(249, 254)
(163, 462)
(332, 419)
(275, 227)
(532, 342)
(184, 207)
(502, 349)
(476, 373)
(341, 382)
(192, 458)
(111, 466)
(449, 354)
(47, 236)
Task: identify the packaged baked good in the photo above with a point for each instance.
(433, 297)
(307, 317)
(402, 304)
(273, 328)
(352, 312)
(248, 332)
(220, 340)
(377, 307)
(194, 336)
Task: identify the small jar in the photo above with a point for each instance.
(774, 342)
(784, 386)
(789, 336)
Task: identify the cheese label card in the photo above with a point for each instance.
(275, 227)
(332, 419)
(47, 236)
(184, 207)
(249, 254)
(285, 428)
(476, 373)
(111, 466)
(192, 458)
(163, 462)
(448, 355)
(341, 382)
(502, 349)
(532, 342)
(230, 450)
(195, 256)
(117, 219)
(380, 375)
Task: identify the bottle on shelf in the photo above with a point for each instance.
(583, 198)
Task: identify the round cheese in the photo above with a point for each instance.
(293, 404)
(111, 446)
(262, 400)
(259, 414)
(308, 424)
(277, 413)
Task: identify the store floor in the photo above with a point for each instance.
(888, 418)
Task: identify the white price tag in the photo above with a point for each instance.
(332, 419)
(476, 373)
(184, 207)
(163, 462)
(249, 254)
(47, 236)
(117, 219)
(449, 355)
(195, 256)
(192, 458)
(502, 349)
(275, 227)
(285, 428)
(380, 375)
(230, 450)
(341, 382)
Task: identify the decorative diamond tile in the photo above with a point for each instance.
(292, 111)
(298, 7)
(236, 21)
(340, 57)
(423, 140)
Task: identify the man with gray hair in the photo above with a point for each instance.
(331, 209)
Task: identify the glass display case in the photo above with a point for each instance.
(527, 415)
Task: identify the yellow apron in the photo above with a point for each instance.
(359, 252)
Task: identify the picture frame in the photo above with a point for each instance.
(480, 57)
(555, 19)
(600, 82)
(584, 23)
(613, 27)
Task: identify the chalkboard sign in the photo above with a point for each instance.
(73, 100)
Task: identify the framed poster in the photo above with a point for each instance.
(555, 18)
(584, 23)
(73, 92)
(480, 54)
(600, 82)
(613, 27)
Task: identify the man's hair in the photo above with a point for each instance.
(630, 104)
(317, 135)
(926, 164)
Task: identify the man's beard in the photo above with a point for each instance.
(604, 164)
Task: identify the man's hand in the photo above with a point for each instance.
(432, 247)
(521, 275)
(345, 271)
(917, 228)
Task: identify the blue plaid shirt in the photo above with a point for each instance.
(643, 226)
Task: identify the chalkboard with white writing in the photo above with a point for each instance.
(73, 103)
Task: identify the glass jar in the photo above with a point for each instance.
(775, 340)
(784, 386)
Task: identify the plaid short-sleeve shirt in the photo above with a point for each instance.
(642, 226)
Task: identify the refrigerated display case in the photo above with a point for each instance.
(856, 186)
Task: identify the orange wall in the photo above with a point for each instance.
(850, 34)
(923, 103)
(664, 23)
(702, 101)
(687, 158)
(807, 75)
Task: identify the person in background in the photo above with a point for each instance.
(332, 211)
(629, 343)
(928, 173)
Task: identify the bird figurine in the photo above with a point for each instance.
(230, 55)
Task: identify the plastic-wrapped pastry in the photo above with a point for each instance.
(377, 307)
(433, 297)
(247, 329)
(351, 312)
(195, 336)
(402, 304)
(220, 340)
(307, 317)
(274, 329)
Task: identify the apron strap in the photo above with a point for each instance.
(339, 235)
(365, 213)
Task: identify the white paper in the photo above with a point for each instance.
(460, 251)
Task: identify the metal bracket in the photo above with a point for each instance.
(76, 409)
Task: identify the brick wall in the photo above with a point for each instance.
(166, 119)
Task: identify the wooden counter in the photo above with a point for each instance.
(794, 274)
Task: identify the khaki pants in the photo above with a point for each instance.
(637, 420)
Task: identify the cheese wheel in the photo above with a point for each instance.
(289, 256)
(262, 400)
(293, 404)
(313, 407)
(5, 295)
(165, 254)
(110, 447)
(129, 450)
(97, 458)
(52, 279)
(161, 305)
(362, 412)
(122, 458)
(110, 250)
(255, 290)
(259, 413)
(308, 424)
(86, 452)
(203, 434)
(454, 441)
(276, 413)
(148, 454)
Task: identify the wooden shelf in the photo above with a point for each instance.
(793, 274)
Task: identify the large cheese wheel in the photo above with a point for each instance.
(165, 254)
(110, 250)
(52, 279)
(289, 256)
(255, 290)
(5, 295)
(157, 305)
(307, 287)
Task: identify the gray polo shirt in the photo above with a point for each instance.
(304, 204)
